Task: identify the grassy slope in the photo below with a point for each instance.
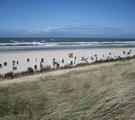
(102, 93)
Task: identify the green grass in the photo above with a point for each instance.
(106, 92)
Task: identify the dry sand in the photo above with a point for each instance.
(22, 55)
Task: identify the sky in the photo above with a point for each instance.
(67, 18)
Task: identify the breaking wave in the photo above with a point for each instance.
(61, 43)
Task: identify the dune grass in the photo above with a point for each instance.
(106, 92)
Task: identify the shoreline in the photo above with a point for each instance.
(7, 49)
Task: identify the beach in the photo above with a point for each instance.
(21, 60)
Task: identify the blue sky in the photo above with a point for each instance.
(67, 18)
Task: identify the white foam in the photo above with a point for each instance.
(62, 44)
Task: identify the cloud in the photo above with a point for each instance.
(73, 31)
(47, 30)
(80, 29)
(43, 30)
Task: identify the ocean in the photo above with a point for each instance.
(62, 43)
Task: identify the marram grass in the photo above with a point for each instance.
(106, 92)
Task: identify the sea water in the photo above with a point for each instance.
(61, 43)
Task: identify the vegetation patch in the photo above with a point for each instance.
(102, 93)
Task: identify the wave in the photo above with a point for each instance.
(43, 43)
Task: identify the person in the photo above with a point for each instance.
(28, 60)
(36, 59)
(35, 67)
(58, 65)
(71, 63)
(5, 63)
(62, 60)
(0, 65)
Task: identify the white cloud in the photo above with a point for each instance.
(73, 31)
(47, 30)
(42, 30)
(87, 30)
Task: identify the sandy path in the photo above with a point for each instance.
(59, 72)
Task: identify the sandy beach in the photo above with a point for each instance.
(22, 59)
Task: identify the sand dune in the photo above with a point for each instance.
(96, 92)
